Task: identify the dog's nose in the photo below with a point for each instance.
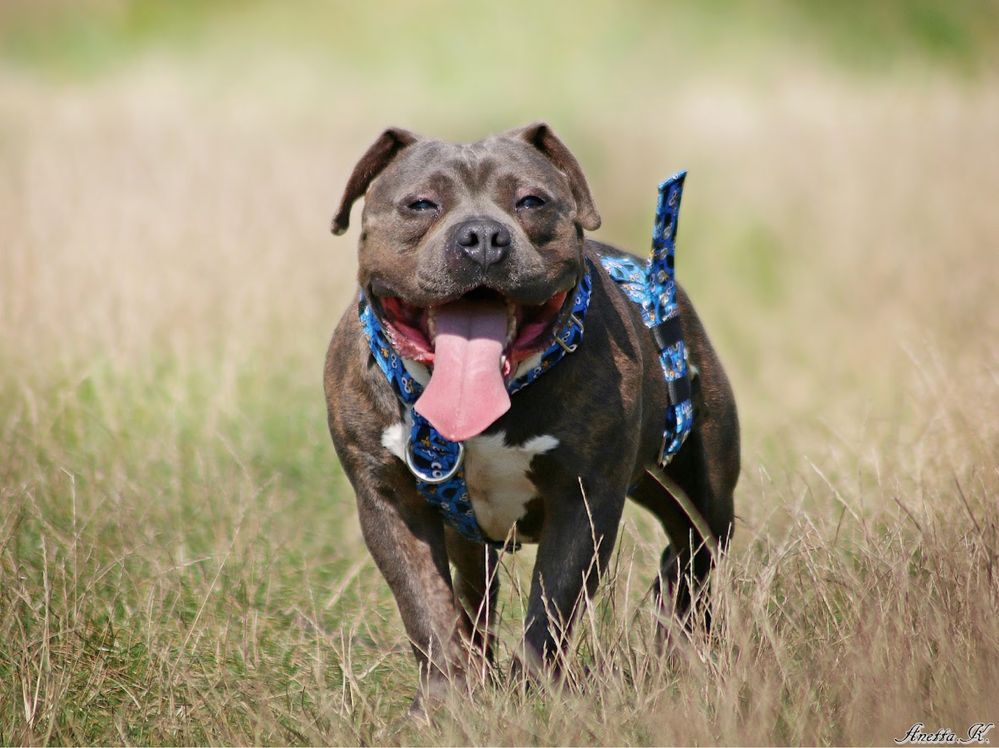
(483, 240)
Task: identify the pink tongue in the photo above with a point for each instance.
(466, 392)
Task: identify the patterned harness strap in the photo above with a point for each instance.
(653, 287)
(438, 464)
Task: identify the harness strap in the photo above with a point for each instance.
(652, 286)
(665, 322)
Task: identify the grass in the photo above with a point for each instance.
(179, 557)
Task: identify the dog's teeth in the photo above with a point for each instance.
(432, 323)
(511, 322)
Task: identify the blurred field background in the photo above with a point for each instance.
(180, 561)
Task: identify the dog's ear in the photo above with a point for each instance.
(372, 163)
(540, 135)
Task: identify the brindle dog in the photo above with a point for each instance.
(469, 255)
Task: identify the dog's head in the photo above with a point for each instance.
(475, 242)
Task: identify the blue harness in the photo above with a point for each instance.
(437, 464)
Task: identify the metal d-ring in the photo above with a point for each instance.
(434, 480)
(574, 346)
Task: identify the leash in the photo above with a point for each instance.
(438, 464)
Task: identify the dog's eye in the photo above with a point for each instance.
(530, 201)
(422, 204)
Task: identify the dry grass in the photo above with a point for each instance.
(179, 558)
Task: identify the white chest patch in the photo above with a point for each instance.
(396, 437)
(495, 473)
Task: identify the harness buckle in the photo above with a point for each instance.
(434, 479)
(574, 346)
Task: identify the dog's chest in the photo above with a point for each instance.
(498, 484)
(497, 477)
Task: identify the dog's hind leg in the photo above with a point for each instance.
(694, 505)
(476, 583)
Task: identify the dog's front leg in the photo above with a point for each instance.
(577, 538)
(406, 538)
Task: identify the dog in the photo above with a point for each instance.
(471, 257)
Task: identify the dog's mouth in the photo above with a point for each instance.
(527, 328)
(473, 346)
